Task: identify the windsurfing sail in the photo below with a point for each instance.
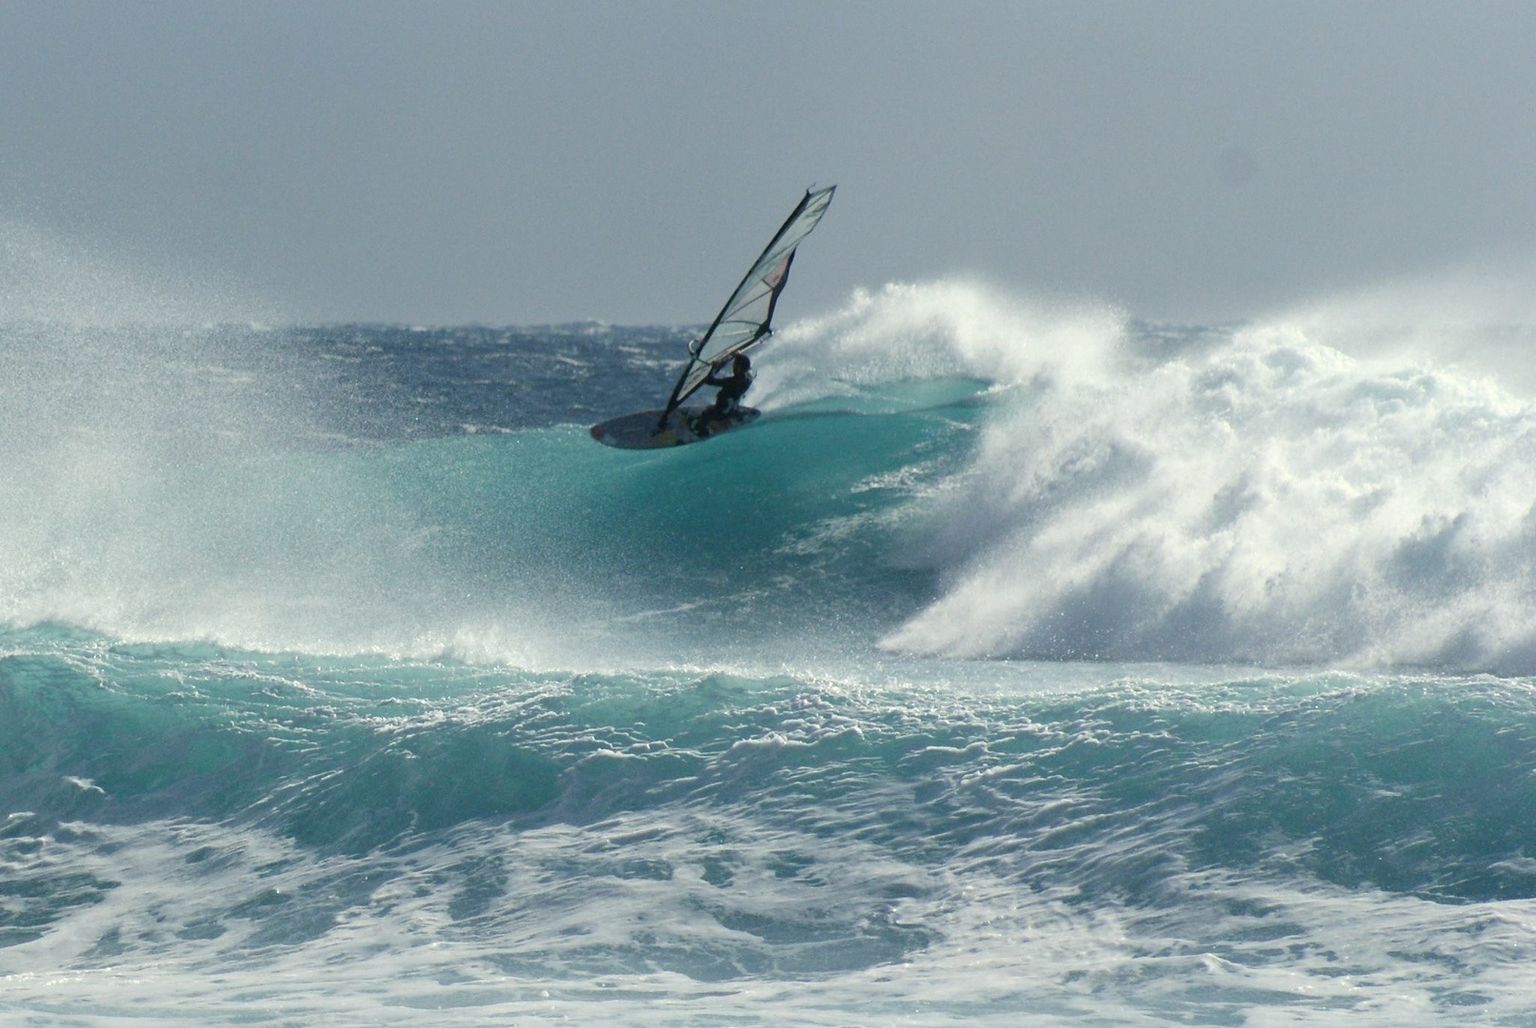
(745, 318)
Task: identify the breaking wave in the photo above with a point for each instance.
(945, 469)
(1244, 494)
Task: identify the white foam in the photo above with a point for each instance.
(1259, 497)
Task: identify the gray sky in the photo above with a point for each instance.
(526, 162)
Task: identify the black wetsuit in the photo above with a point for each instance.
(727, 400)
(732, 389)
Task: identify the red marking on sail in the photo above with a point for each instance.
(774, 277)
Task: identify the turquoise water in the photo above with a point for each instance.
(343, 679)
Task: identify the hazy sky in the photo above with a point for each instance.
(525, 162)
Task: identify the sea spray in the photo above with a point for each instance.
(1271, 502)
(1241, 494)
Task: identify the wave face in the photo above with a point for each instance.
(1021, 660)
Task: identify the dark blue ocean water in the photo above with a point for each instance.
(1017, 664)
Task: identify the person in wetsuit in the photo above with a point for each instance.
(728, 399)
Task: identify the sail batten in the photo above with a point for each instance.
(747, 315)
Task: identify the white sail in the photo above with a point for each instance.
(745, 318)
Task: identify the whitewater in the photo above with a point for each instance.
(1024, 661)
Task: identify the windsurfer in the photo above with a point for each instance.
(728, 399)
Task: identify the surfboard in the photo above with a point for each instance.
(743, 322)
(658, 429)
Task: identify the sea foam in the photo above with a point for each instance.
(1241, 494)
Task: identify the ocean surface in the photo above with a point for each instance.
(1023, 664)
